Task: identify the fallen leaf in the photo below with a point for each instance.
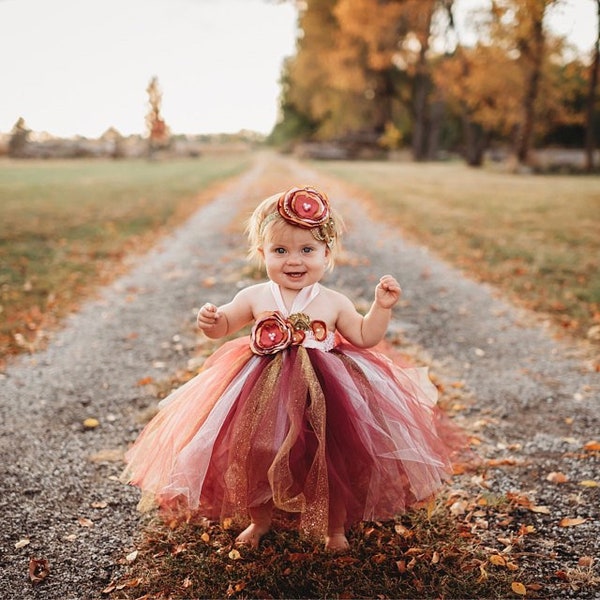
(459, 508)
(234, 555)
(585, 561)
(101, 504)
(526, 529)
(498, 462)
(571, 522)
(91, 423)
(205, 537)
(518, 588)
(39, 569)
(539, 509)
(145, 381)
(562, 575)
(402, 530)
(593, 446)
(85, 522)
(22, 543)
(483, 574)
(557, 477)
(589, 483)
(498, 560)
(107, 455)
(131, 556)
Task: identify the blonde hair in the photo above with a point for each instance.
(266, 217)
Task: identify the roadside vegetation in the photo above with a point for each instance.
(535, 237)
(65, 227)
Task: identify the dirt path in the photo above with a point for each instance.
(535, 401)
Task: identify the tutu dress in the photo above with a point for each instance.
(297, 415)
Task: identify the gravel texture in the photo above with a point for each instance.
(532, 396)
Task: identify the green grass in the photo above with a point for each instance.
(535, 237)
(65, 224)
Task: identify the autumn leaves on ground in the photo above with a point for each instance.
(66, 228)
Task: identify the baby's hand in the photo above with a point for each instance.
(208, 316)
(387, 292)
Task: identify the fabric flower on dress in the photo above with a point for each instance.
(271, 334)
(301, 323)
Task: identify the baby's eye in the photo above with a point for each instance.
(279, 250)
(307, 249)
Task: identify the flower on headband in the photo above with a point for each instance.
(271, 334)
(304, 207)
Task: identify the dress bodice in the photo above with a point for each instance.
(301, 301)
(285, 327)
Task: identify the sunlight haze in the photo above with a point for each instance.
(78, 67)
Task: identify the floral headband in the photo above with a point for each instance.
(309, 209)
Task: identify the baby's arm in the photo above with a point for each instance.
(217, 322)
(369, 330)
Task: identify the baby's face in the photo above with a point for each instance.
(294, 259)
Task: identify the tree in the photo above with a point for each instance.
(326, 83)
(19, 138)
(537, 91)
(158, 132)
(396, 37)
(591, 99)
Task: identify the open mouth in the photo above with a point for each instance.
(295, 275)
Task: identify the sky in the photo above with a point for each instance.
(78, 67)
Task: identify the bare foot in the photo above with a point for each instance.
(336, 542)
(252, 534)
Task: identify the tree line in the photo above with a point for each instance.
(396, 73)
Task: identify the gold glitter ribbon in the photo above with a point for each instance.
(305, 405)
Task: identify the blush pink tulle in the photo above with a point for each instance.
(344, 435)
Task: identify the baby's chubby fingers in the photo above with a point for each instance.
(388, 291)
(389, 284)
(208, 315)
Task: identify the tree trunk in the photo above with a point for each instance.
(532, 84)
(422, 84)
(420, 108)
(591, 102)
(475, 141)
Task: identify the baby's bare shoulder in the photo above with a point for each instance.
(336, 298)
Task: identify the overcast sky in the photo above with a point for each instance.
(80, 66)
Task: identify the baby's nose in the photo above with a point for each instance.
(294, 258)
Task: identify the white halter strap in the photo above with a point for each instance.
(301, 301)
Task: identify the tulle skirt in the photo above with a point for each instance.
(338, 436)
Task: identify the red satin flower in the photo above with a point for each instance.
(271, 334)
(304, 207)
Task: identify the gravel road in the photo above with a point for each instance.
(532, 396)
